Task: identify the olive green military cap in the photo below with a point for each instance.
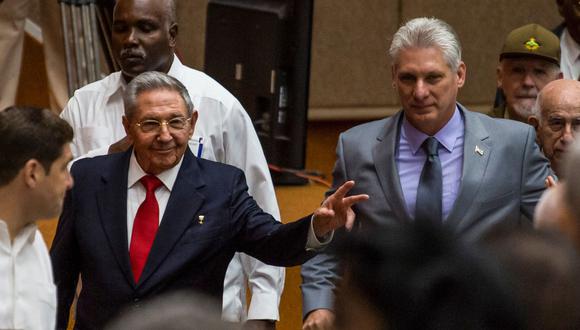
(532, 40)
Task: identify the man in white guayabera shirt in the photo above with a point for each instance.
(34, 153)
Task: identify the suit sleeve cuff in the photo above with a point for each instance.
(324, 300)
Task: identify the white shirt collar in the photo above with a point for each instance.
(570, 53)
(571, 45)
(135, 174)
(175, 67)
(447, 135)
(25, 236)
(117, 86)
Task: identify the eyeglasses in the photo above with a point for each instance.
(558, 124)
(173, 125)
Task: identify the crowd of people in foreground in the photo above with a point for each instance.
(169, 210)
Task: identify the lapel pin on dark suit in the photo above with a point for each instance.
(478, 150)
(200, 219)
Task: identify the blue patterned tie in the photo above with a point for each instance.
(430, 191)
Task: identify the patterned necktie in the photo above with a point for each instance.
(430, 191)
(144, 227)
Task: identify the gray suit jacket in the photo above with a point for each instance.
(499, 187)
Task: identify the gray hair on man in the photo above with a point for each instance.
(426, 32)
(572, 188)
(153, 80)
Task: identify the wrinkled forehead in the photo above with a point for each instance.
(160, 102)
(561, 109)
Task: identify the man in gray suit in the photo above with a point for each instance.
(433, 161)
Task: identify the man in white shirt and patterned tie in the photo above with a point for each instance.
(34, 153)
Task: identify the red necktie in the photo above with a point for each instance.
(144, 226)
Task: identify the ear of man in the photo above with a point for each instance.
(499, 73)
(173, 30)
(461, 74)
(192, 123)
(535, 122)
(32, 173)
(125, 121)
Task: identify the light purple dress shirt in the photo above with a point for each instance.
(410, 159)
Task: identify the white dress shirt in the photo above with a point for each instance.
(227, 135)
(27, 290)
(570, 56)
(136, 192)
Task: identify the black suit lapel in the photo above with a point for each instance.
(386, 167)
(112, 204)
(184, 202)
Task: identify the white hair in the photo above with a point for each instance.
(153, 80)
(426, 32)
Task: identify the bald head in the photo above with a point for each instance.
(555, 117)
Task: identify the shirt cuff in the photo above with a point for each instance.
(264, 306)
(313, 244)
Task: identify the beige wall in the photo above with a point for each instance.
(350, 75)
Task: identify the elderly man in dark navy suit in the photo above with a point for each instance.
(156, 219)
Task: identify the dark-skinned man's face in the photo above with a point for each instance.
(143, 37)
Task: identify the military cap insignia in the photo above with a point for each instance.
(532, 44)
